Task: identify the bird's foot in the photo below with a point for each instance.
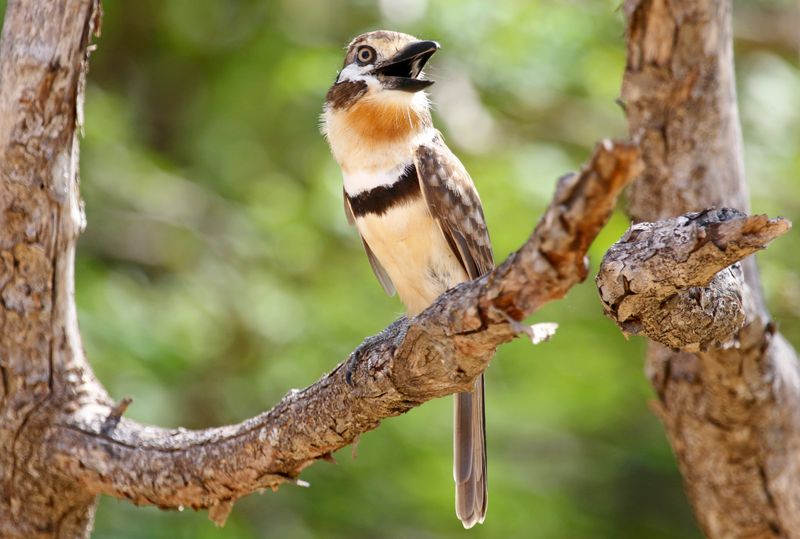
(358, 354)
(350, 366)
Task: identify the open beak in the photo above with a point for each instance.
(401, 71)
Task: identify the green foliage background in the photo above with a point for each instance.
(217, 270)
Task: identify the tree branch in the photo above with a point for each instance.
(437, 353)
(665, 279)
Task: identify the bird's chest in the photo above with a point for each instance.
(409, 244)
(406, 229)
(394, 220)
(390, 211)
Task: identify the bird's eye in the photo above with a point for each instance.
(365, 55)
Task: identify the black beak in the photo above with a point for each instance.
(400, 72)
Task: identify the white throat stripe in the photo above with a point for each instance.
(358, 181)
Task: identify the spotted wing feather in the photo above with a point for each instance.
(453, 201)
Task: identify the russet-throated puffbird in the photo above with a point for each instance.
(414, 205)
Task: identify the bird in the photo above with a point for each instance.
(414, 206)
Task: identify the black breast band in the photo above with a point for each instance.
(380, 199)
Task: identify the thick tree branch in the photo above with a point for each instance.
(665, 279)
(437, 353)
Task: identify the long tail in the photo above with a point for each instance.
(469, 459)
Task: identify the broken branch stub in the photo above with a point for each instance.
(677, 280)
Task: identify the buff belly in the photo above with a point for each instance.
(413, 251)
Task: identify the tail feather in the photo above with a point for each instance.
(469, 456)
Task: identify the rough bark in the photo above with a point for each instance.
(43, 54)
(63, 441)
(730, 412)
(673, 280)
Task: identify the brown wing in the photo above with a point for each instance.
(453, 201)
(377, 269)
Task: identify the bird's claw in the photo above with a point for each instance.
(350, 366)
(355, 357)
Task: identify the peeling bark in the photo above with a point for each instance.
(730, 411)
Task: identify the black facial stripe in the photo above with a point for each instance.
(380, 199)
(343, 94)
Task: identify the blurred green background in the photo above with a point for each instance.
(217, 270)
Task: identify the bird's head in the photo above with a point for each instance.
(382, 66)
(377, 96)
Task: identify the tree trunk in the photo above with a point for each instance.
(730, 411)
(43, 57)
